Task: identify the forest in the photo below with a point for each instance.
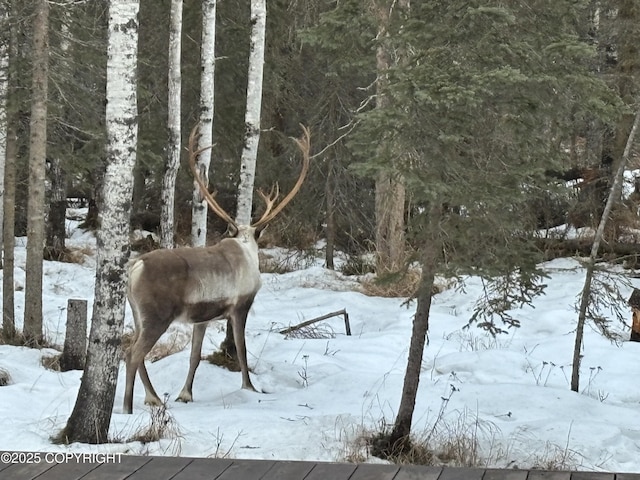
(420, 139)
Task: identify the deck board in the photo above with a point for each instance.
(592, 476)
(246, 470)
(499, 474)
(548, 475)
(68, 471)
(417, 472)
(161, 468)
(203, 469)
(185, 468)
(284, 470)
(121, 470)
(24, 471)
(366, 471)
(334, 471)
(461, 474)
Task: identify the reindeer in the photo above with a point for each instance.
(199, 285)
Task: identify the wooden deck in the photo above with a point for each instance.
(121, 467)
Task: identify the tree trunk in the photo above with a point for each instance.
(399, 437)
(8, 232)
(626, 74)
(9, 200)
(389, 208)
(37, 160)
(635, 326)
(207, 59)
(74, 352)
(330, 218)
(140, 175)
(56, 225)
(89, 421)
(585, 298)
(253, 111)
(173, 122)
(55, 243)
(4, 92)
(390, 191)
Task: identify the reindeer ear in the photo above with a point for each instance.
(259, 230)
(232, 231)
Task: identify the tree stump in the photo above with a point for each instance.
(634, 302)
(75, 340)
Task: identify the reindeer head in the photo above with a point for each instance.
(248, 232)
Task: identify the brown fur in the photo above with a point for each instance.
(195, 285)
(199, 284)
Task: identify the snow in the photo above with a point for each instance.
(511, 392)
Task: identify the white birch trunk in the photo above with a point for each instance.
(89, 421)
(207, 59)
(173, 122)
(37, 157)
(4, 89)
(252, 115)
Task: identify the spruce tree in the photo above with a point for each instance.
(481, 107)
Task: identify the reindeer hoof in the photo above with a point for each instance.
(184, 398)
(153, 401)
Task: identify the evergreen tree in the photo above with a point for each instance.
(478, 111)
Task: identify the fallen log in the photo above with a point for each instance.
(556, 247)
(306, 323)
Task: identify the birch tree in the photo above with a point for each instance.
(207, 60)
(253, 111)
(173, 124)
(89, 421)
(585, 296)
(37, 158)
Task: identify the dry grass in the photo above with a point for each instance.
(313, 331)
(224, 360)
(5, 377)
(292, 261)
(403, 285)
(172, 342)
(162, 425)
(51, 362)
(555, 457)
(458, 440)
(70, 255)
(19, 340)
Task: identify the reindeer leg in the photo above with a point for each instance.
(238, 320)
(127, 406)
(145, 340)
(199, 330)
(228, 346)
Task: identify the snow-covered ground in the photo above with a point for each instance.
(510, 393)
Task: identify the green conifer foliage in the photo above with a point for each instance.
(483, 103)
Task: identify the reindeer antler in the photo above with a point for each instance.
(211, 201)
(304, 144)
(271, 209)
